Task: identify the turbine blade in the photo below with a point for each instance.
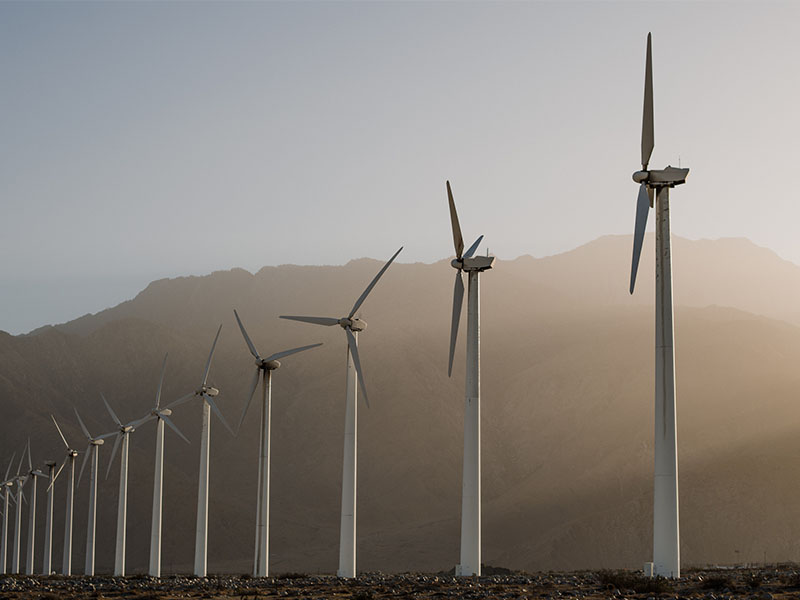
(83, 464)
(114, 452)
(161, 381)
(278, 355)
(83, 427)
(458, 240)
(172, 426)
(57, 473)
(30, 463)
(19, 465)
(326, 321)
(218, 412)
(371, 285)
(182, 400)
(353, 346)
(11, 462)
(458, 300)
(143, 420)
(648, 134)
(111, 411)
(211, 355)
(253, 387)
(63, 439)
(471, 251)
(642, 211)
(250, 344)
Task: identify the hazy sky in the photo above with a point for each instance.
(152, 139)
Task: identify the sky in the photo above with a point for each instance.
(143, 140)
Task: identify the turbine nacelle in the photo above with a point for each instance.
(96, 442)
(163, 412)
(50, 463)
(669, 177)
(208, 390)
(269, 365)
(353, 324)
(477, 263)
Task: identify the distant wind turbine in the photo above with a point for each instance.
(92, 450)
(666, 533)
(47, 561)
(70, 458)
(122, 438)
(206, 393)
(264, 367)
(6, 487)
(32, 474)
(20, 481)
(351, 326)
(162, 416)
(471, 483)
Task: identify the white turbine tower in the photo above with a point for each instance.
(123, 432)
(162, 416)
(471, 482)
(6, 490)
(206, 393)
(666, 533)
(20, 481)
(47, 561)
(32, 474)
(264, 366)
(92, 451)
(351, 326)
(70, 458)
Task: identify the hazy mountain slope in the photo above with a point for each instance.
(567, 417)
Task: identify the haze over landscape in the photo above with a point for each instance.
(567, 410)
(165, 163)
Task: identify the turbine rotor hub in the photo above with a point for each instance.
(457, 263)
(640, 176)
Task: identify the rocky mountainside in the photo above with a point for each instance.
(567, 384)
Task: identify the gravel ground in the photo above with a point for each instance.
(711, 584)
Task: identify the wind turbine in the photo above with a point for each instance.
(123, 432)
(666, 533)
(264, 366)
(206, 393)
(20, 481)
(92, 450)
(47, 561)
(70, 458)
(162, 416)
(471, 482)
(351, 326)
(6, 486)
(32, 474)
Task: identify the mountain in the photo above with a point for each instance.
(567, 388)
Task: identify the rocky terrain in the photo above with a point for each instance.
(774, 583)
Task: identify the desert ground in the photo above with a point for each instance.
(773, 583)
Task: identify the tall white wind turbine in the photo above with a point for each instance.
(351, 326)
(6, 485)
(264, 366)
(92, 452)
(70, 458)
(471, 482)
(206, 393)
(32, 474)
(122, 438)
(162, 416)
(652, 183)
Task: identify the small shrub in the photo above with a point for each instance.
(625, 580)
(716, 582)
(290, 576)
